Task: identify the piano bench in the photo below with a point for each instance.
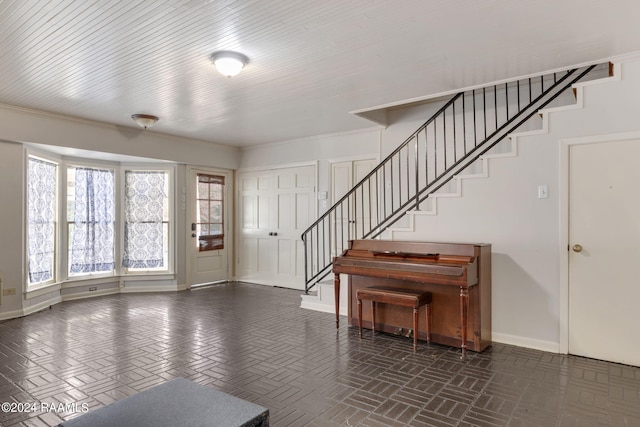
(395, 296)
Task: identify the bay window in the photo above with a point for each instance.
(100, 199)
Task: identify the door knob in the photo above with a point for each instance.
(577, 248)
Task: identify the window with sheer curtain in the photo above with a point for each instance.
(90, 220)
(146, 222)
(42, 192)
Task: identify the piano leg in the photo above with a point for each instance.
(360, 317)
(464, 305)
(373, 318)
(415, 328)
(428, 316)
(336, 289)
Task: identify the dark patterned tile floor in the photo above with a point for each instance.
(255, 342)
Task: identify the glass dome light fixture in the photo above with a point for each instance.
(229, 63)
(144, 120)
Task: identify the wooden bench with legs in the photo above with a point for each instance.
(395, 296)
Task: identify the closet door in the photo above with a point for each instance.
(355, 215)
(604, 232)
(275, 207)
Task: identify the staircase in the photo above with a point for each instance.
(451, 145)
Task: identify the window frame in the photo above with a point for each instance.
(210, 237)
(66, 262)
(44, 157)
(171, 223)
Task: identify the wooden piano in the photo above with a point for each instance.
(458, 275)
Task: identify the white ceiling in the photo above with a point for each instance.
(311, 62)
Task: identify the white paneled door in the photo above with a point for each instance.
(604, 249)
(209, 238)
(275, 207)
(349, 222)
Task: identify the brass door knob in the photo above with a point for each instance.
(577, 248)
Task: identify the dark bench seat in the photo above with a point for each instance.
(179, 402)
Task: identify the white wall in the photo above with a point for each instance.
(322, 149)
(11, 231)
(504, 209)
(526, 232)
(35, 127)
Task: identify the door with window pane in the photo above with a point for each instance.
(208, 224)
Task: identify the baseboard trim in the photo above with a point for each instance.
(129, 289)
(86, 295)
(324, 308)
(550, 346)
(90, 294)
(31, 309)
(274, 284)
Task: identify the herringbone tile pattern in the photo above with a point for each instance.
(256, 343)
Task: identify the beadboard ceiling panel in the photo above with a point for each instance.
(311, 62)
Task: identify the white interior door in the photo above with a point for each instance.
(341, 183)
(255, 208)
(294, 212)
(604, 236)
(350, 222)
(209, 226)
(275, 207)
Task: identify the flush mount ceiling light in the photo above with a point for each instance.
(229, 63)
(144, 120)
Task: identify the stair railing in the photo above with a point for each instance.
(466, 127)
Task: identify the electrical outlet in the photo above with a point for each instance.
(8, 292)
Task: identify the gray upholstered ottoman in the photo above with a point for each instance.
(179, 402)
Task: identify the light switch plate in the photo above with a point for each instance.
(543, 192)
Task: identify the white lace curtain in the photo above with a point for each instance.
(41, 217)
(144, 219)
(92, 235)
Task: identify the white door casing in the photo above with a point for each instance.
(603, 288)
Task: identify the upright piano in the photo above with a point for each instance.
(458, 275)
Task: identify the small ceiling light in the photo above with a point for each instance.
(229, 63)
(144, 120)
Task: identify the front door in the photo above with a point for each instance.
(209, 226)
(604, 231)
